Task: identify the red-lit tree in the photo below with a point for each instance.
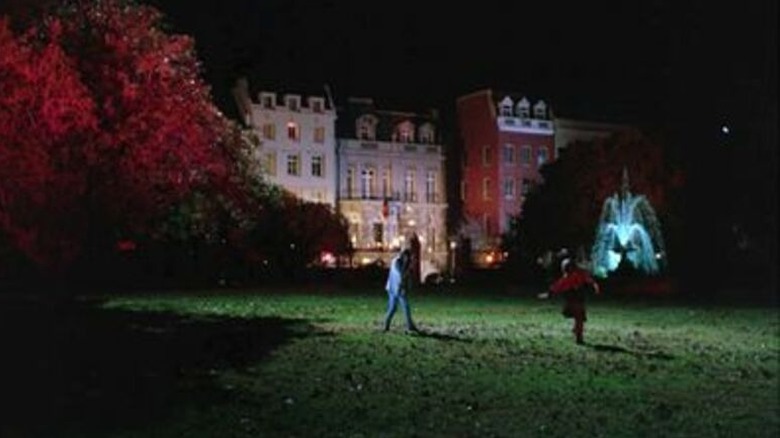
(158, 131)
(105, 124)
(46, 118)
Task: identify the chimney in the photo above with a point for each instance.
(243, 101)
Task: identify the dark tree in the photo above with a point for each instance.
(565, 209)
(290, 234)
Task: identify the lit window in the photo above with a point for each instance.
(404, 136)
(404, 132)
(293, 131)
(430, 186)
(269, 163)
(486, 189)
(354, 228)
(269, 131)
(409, 185)
(293, 164)
(319, 134)
(509, 188)
(350, 182)
(387, 183)
(317, 165)
(367, 183)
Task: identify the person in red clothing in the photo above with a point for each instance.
(574, 285)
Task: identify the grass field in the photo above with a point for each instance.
(245, 364)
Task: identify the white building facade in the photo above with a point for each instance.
(297, 148)
(391, 183)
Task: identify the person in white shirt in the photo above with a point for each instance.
(398, 284)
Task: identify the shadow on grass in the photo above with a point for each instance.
(81, 370)
(641, 354)
(426, 333)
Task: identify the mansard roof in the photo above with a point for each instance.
(280, 89)
(500, 95)
(387, 120)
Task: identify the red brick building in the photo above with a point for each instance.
(506, 138)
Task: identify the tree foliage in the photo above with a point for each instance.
(292, 233)
(565, 209)
(105, 124)
(47, 117)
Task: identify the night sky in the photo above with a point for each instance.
(647, 62)
(692, 65)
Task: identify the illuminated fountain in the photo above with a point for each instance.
(628, 235)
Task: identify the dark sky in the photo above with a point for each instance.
(652, 61)
(636, 61)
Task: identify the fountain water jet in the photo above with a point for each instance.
(628, 232)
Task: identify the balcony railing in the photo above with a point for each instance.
(362, 197)
(540, 126)
(433, 198)
(430, 198)
(392, 146)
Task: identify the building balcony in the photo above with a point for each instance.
(530, 126)
(429, 198)
(345, 196)
(391, 147)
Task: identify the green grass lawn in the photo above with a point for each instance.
(249, 364)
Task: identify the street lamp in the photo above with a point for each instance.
(453, 248)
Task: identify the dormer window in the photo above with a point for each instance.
(293, 103)
(268, 100)
(505, 107)
(426, 134)
(524, 109)
(365, 127)
(405, 132)
(364, 132)
(316, 104)
(540, 110)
